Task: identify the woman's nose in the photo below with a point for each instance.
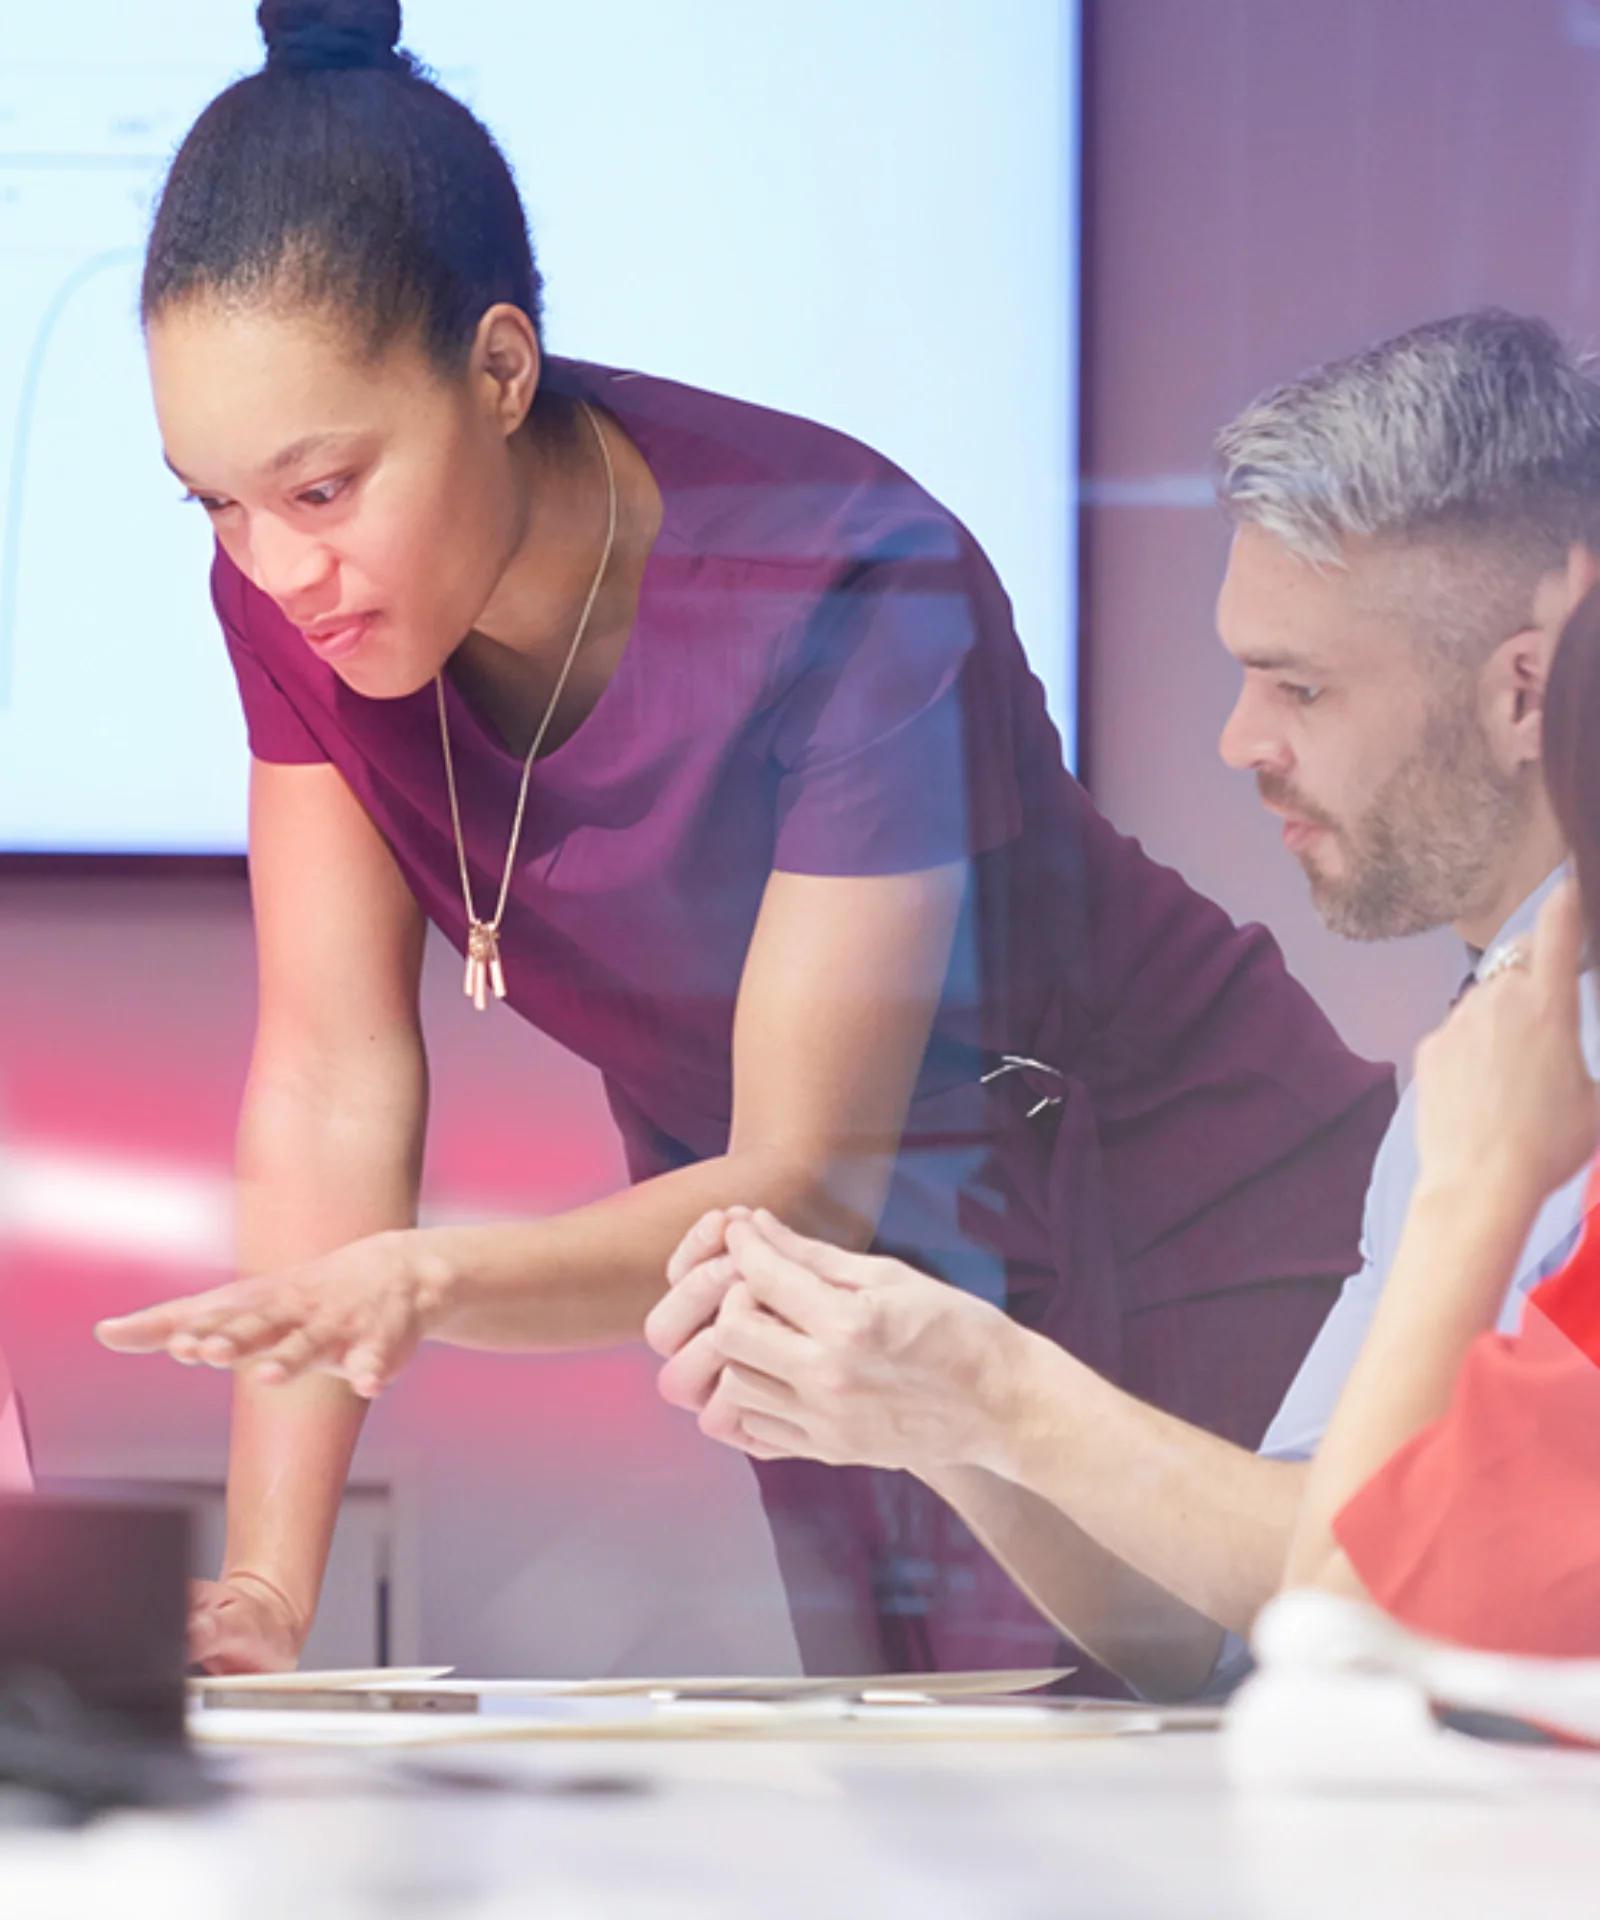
(286, 565)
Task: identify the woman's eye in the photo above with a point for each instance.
(1303, 696)
(323, 495)
(208, 503)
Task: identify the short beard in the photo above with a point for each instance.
(1432, 841)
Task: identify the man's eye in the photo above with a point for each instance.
(1303, 696)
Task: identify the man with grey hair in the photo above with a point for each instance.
(1413, 527)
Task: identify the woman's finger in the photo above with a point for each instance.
(377, 1353)
(242, 1336)
(204, 1632)
(289, 1357)
(153, 1329)
(239, 1318)
(369, 1369)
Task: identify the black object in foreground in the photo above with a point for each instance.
(93, 1620)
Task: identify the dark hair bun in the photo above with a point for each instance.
(305, 36)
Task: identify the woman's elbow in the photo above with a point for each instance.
(818, 1190)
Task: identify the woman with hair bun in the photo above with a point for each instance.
(1459, 1483)
(703, 733)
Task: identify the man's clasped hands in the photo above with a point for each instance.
(785, 1346)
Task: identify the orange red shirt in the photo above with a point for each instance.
(1485, 1528)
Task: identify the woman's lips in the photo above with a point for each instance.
(338, 643)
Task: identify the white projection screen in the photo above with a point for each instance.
(864, 211)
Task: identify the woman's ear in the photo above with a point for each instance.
(505, 364)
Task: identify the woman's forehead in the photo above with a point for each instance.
(262, 387)
(312, 346)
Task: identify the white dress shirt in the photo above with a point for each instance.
(1303, 1418)
(1301, 1421)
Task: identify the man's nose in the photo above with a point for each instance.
(1249, 742)
(286, 565)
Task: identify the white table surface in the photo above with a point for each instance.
(1110, 1829)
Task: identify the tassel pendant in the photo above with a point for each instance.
(484, 972)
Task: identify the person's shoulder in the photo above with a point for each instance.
(775, 485)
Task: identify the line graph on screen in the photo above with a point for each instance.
(95, 554)
(774, 215)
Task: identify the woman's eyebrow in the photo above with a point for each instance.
(299, 451)
(292, 455)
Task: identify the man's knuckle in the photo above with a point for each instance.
(860, 1322)
(834, 1379)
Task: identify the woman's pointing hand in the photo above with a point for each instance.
(359, 1313)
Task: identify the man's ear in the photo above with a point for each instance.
(506, 363)
(1513, 682)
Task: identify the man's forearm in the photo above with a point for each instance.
(1123, 1619)
(1153, 1507)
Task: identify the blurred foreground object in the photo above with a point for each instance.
(93, 1603)
(1347, 1700)
(15, 1474)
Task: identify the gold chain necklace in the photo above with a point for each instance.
(484, 970)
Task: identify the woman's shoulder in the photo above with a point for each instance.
(768, 484)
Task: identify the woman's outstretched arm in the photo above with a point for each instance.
(836, 1003)
(329, 1147)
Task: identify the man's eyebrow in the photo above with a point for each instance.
(1279, 663)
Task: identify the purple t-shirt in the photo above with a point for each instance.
(823, 678)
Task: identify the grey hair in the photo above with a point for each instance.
(1485, 424)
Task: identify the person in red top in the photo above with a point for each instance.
(1459, 1485)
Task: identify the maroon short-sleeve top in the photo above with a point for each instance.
(823, 678)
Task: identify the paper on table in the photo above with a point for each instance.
(335, 1680)
(873, 1686)
(615, 1717)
